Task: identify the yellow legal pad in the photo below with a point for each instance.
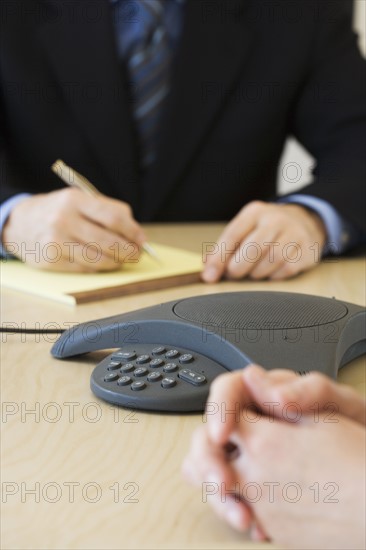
(176, 267)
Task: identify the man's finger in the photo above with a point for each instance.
(229, 241)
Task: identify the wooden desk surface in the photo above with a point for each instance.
(78, 473)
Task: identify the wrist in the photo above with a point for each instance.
(11, 234)
(312, 221)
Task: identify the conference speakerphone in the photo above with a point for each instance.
(168, 355)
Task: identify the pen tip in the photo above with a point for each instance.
(151, 252)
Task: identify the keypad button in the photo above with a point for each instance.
(128, 367)
(140, 371)
(124, 356)
(124, 381)
(155, 363)
(168, 383)
(114, 365)
(110, 377)
(186, 358)
(138, 385)
(154, 376)
(159, 350)
(192, 377)
(142, 359)
(170, 367)
(172, 353)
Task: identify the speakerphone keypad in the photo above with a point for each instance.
(159, 364)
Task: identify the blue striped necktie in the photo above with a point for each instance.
(148, 61)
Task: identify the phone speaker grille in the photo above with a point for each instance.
(261, 310)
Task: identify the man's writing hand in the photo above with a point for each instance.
(68, 230)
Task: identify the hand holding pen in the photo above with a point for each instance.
(74, 179)
(73, 230)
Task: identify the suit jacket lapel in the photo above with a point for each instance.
(214, 45)
(83, 56)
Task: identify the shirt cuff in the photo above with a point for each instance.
(341, 234)
(5, 210)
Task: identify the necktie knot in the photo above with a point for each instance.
(151, 15)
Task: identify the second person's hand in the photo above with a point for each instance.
(278, 393)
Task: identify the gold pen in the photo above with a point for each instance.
(74, 179)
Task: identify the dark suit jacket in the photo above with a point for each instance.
(247, 74)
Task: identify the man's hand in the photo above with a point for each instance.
(68, 230)
(266, 240)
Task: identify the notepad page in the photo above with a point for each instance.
(61, 286)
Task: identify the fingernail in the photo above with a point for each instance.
(255, 373)
(234, 516)
(212, 477)
(215, 430)
(140, 238)
(210, 274)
